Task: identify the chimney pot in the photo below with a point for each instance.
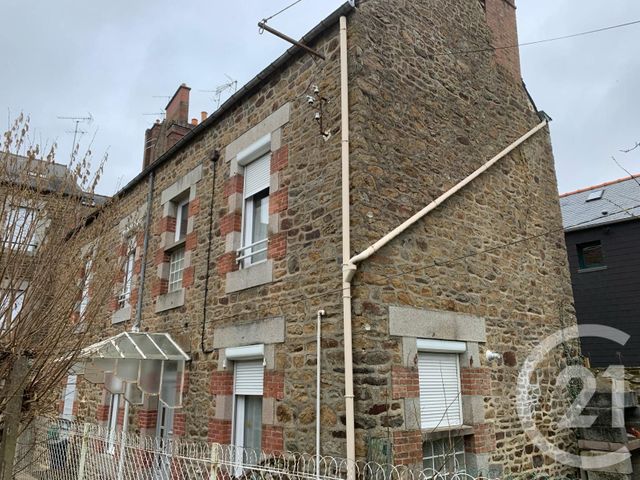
(203, 116)
(194, 121)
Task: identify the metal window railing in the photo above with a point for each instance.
(248, 253)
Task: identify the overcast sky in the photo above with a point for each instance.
(110, 58)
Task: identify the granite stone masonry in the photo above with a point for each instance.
(420, 122)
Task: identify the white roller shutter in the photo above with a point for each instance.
(249, 378)
(257, 176)
(440, 402)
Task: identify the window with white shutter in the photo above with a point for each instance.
(248, 388)
(255, 222)
(249, 377)
(440, 395)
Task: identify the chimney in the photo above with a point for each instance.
(178, 107)
(164, 135)
(501, 18)
(203, 116)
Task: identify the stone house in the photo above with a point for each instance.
(231, 243)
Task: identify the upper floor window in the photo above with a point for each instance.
(125, 295)
(86, 282)
(255, 222)
(19, 226)
(590, 255)
(10, 307)
(176, 268)
(182, 219)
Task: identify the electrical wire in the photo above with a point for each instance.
(537, 42)
(281, 11)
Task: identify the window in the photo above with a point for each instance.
(125, 296)
(255, 222)
(182, 219)
(444, 456)
(84, 300)
(69, 397)
(19, 228)
(176, 266)
(112, 423)
(11, 307)
(590, 255)
(595, 195)
(440, 393)
(247, 420)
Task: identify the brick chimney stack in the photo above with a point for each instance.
(164, 135)
(501, 18)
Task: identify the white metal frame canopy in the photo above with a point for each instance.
(137, 365)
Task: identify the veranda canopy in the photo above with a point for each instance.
(135, 365)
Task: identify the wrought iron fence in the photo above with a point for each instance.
(62, 450)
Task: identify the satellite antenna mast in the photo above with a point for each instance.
(77, 130)
(217, 93)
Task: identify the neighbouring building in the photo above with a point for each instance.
(602, 232)
(241, 219)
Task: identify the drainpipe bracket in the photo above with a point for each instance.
(348, 272)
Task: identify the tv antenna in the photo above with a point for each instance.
(217, 93)
(76, 130)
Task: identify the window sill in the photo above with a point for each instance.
(121, 315)
(592, 269)
(173, 244)
(253, 276)
(169, 301)
(446, 432)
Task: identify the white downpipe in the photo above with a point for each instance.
(346, 254)
(438, 201)
(321, 313)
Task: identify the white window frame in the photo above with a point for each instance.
(23, 234)
(88, 275)
(176, 270)
(432, 460)
(12, 311)
(127, 286)
(69, 397)
(179, 219)
(442, 348)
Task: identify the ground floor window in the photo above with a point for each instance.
(247, 419)
(112, 424)
(443, 457)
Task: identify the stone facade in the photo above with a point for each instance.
(421, 122)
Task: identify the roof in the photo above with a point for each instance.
(610, 202)
(241, 94)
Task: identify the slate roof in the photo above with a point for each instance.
(618, 202)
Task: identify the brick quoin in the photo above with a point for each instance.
(405, 382)
(191, 242)
(273, 385)
(121, 251)
(407, 447)
(137, 267)
(161, 256)
(120, 416)
(160, 287)
(475, 381)
(280, 159)
(227, 263)
(179, 424)
(219, 431)
(277, 248)
(167, 224)
(235, 184)
(133, 299)
(483, 439)
(113, 305)
(279, 201)
(188, 277)
(194, 207)
(221, 383)
(185, 383)
(140, 239)
(272, 439)
(231, 223)
(147, 419)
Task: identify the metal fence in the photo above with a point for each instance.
(62, 450)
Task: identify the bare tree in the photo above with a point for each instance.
(51, 265)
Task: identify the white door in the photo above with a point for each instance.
(164, 432)
(112, 424)
(247, 421)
